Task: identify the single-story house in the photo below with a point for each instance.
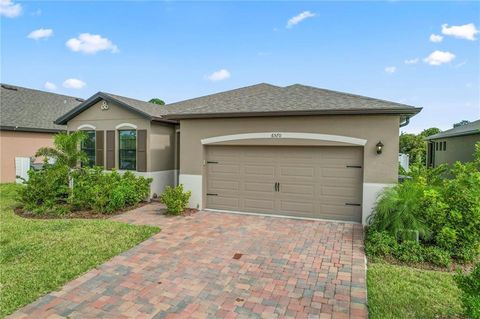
(297, 150)
(26, 124)
(456, 144)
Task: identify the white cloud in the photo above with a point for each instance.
(9, 9)
(40, 34)
(439, 57)
(390, 69)
(299, 18)
(466, 31)
(436, 38)
(219, 75)
(91, 44)
(74, 84)
(412, 61)
(36, 13)
(50, 86)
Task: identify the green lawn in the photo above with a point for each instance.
(405, 292)
(39, 256)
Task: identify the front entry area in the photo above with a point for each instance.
(315, 181)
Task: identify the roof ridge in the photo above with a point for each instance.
(225, 92)
(41, 91)
(126, 97)
(347, 93)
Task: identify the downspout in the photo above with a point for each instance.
(407, 120)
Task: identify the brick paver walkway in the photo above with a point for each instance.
(214, 265)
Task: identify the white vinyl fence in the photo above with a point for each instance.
(404, 160)
(22, 165)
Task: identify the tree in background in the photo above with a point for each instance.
(461, 123)
(415, 146)
(156, 100)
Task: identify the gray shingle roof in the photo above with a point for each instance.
(256, 100)
(467, 129)
(267, 98)
(151, 109)
(32, 110)
(146, 109)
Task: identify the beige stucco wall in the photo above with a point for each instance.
(159, 136)
(459, 148)
(377, 168)
(19, 144)
(162, 147)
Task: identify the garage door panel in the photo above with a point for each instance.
(340, 173)
(258, 187)
(215, 184)
(224, 168)
(289, 189)
(314, 181)
(350, 192)
(223, 202)
(260, 205)
(258, 170)
(297, 172)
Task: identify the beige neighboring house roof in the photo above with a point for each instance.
(466, 129)
(257, 100)
(24, 109)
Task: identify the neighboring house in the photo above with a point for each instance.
(26, 124)
(456, 144)
(297, 150)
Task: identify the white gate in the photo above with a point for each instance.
(22, 165)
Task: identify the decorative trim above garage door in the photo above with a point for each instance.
(285, 135)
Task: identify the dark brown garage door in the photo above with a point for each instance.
(315, 182)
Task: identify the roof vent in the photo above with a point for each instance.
(79, 99)
(9, 87)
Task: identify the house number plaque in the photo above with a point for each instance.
(276, 135)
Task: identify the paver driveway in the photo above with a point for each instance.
(214, 265)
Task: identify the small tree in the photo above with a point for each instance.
(158, 101)
(66, 150)
(461, 123)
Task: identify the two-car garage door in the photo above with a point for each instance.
(315, 182)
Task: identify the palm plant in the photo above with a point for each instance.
(399, 210)
(66, 150)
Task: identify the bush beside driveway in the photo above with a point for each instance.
(39, 256)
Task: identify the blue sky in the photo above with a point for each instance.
(180, 50)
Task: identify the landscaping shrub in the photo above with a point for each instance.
(470, 286)
(437, 256)
(380, 244)
(107, 192)
(175, 199)
(399, 210)
(442, 205)
(46, 191)
(410, 252)
(64, 186)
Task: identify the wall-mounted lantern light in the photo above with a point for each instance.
(379, 147)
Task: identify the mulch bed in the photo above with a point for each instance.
(83, 214)
(187, 212)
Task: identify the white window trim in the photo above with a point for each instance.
(86, 126)
(284, 135)
(125, 125)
